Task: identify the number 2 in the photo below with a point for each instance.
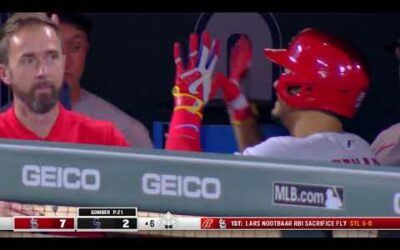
(125, 223)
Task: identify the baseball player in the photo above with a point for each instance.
(323, 83)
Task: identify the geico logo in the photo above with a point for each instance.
(60, 177)
(396, 203)
(178, 185)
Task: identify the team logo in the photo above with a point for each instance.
(208, 223)
(97, 223)
(34, 223)
(222, 224)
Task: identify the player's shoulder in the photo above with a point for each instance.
(332, 136)
(389, 136)
(6, 120)
(3, 116)
(393, 132)
(272, 146)
(106, 110)
(281, 145)
(395, 127)
(325, 140)
(3, 123)
(85, 122)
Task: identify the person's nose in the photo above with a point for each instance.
(42, 70)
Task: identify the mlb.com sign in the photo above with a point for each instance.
(308, 195)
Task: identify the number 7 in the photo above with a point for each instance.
(62, 222)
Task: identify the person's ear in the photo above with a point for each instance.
(5, 74)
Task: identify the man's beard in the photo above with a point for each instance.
(39, 103)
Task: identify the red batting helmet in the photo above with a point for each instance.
(326, 72)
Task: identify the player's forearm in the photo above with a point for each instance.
(247, 133)
(184, 132)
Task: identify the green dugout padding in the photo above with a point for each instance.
(193, 183)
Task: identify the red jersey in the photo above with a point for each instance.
(69, 127)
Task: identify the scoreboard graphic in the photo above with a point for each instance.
(125, 219)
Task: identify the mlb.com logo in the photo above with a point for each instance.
(308, 195)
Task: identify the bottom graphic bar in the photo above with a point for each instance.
(171, 222)
(175, 222)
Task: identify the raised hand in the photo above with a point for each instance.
(193, 89)
(240, 58)
(240, 61)
(193, 83)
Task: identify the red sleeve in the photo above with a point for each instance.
(184, 132)
(117, 138)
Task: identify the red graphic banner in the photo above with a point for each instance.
(300, 223)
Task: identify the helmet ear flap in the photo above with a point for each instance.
(300, 93)
(292, 91)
